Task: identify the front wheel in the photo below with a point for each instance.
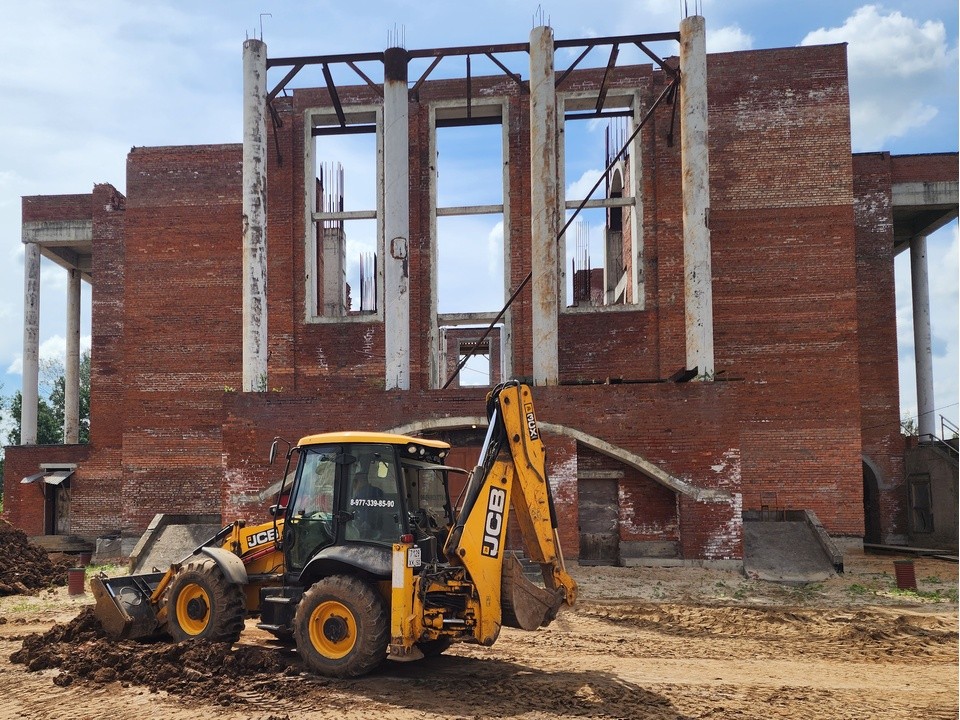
(202, 604)
(342, 627)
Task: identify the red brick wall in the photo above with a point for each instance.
(181, 334)
(687, 430)
(35, 208)
(877, 318)
(23, 505)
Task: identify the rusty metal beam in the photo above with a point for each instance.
(283, 83)
(611, 63)
(513, 76)
(334, 96)
(371, 83)
(563, 76)
(672, 72)
(416, 86)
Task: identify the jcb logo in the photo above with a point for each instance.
(493, 526)
(261, 538)
(532, 428)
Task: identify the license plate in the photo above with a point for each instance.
(413, 557)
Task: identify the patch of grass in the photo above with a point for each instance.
(930, 595)
(858, 589)
(932, 580)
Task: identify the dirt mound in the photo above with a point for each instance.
(25, 567)
(214, 672)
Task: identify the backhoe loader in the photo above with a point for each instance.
(366, 558)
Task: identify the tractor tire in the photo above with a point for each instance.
(202, 605)
(342, 627)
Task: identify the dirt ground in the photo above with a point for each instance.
(662, 643)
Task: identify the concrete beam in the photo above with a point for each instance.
(545, 209)
(254, 272)
(31, 344)
(922, 338)
(71, 374)
(59, 233)
(695, 181)
(396, 220)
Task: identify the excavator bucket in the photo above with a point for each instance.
(123, 605)
(524, 605)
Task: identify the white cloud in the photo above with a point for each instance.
(728, 39)
(578, 189)
(897, 67)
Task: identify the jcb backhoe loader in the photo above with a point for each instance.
(366, 558)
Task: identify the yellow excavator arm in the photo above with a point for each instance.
(488, 580)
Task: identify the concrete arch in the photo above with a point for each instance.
(628, 458)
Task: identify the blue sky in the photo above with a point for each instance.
(84, 82)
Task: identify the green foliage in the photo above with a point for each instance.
(50, 410)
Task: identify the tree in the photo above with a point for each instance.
(49, 431)
(56, 378)
(50, 414)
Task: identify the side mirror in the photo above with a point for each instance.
(273, 451)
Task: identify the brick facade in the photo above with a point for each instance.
(803, 317)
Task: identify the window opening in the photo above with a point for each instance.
(598, 250)
(470, 241)
(345, 245)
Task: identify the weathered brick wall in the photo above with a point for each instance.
(182, 306)
(23, 505)
(941, 167)
(34, 208)
(877, 318)
(687, 430)
(785, 311)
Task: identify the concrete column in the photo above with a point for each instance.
(254, 273)
(695, 167)
(71, 373)
(396, 219)
(922, 342)
(31, 344)
(545, 208)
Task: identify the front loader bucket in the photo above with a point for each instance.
(525, 605)
(123, 605)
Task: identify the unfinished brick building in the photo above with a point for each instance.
(741, 354)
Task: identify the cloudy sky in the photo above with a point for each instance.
(84, 82)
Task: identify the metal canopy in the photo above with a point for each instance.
(50, 477)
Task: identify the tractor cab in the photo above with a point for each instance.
(356, 494)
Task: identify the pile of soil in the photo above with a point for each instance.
(25, 567)
(202, 670)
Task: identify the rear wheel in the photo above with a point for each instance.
(342, 627)
(202, 605)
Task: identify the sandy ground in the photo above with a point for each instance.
(642, 643)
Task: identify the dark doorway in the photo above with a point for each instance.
(57, 509)
(599, 527)
(871, 506)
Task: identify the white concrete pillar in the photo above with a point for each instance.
(396, 220)
(695, 182)
(71, 371)
(254, 273)
(545, 209)
(31, 344)
(922, 339)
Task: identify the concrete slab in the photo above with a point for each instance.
(784, 551)
(169, 539)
